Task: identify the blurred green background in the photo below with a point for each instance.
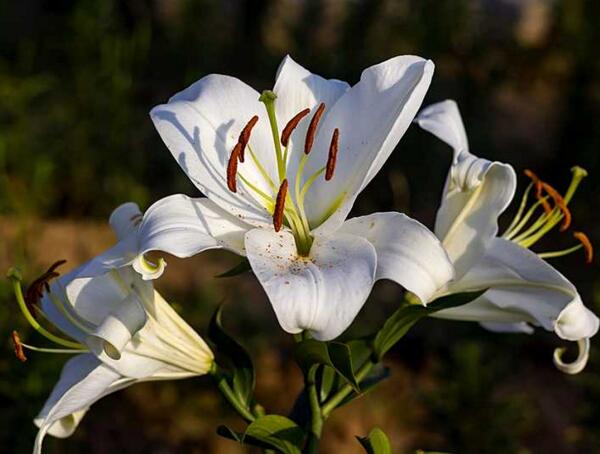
(77, 79)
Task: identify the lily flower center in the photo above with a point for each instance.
(285, 204)
(526, 230)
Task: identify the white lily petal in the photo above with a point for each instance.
(407, 252)
(298, 89)
(372, 117)
(519, 327)
(124, 219)
(83, 381)
(116, 330)
(477, 191)
(322, 293)
(179, 225)
(525, 288)
(579, 363)
(443, 120)
(201, 125)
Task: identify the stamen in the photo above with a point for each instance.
(245, 136)
(35, 291)
(538, 190)
(289, 128)
(312, 128)
(560, 203)
(19, 353)
(232, 167)
(280, 206)
(587, 245)
(14, 276)
(333, 151)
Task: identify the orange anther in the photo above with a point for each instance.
(245, 136)
(312, 128)
(560, 203)
(280, 206)
(232, 167)
(19, 352)
(291, 125)
(332, 157)
(587, 245)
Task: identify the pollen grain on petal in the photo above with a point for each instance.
(245, 136)
(280, 206)
(587, 246)
(232, 168)
(332, 157)
(291, 125)
(312, 128)
(19, 352)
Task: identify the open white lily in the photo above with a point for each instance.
(281, 199)
(524, 290)
(123, 331)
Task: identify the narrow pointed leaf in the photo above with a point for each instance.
(229, 433)
(333, 354)
(377, 375)
(404, 318)
(376, 443)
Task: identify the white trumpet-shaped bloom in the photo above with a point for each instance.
(281, 172)
(524, 290)
(125, 332)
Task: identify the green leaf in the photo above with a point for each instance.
(278, 432)
(240, 268)
(333, 354)
(230, 434)
(242, 368)
(404, 318)
(327, 381)
(376, 443)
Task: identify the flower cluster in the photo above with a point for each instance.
(280, 171)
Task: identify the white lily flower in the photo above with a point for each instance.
(282, 199)
(524, 290)
(124, 331)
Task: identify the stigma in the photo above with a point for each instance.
(526, 229)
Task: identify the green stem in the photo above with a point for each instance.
(316, 420)
(229, 395)
(338, 397)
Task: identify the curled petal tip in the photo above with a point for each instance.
(579, 363)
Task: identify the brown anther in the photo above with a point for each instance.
(332, 157)
(232, 167)
(245, 136)
(280, 206)
(291, 125)
(587, 245)
(560, 203)
(312, 128)
(19, 352)
(35, 291)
